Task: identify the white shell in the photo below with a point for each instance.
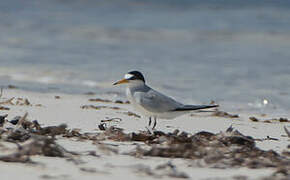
(128, 76)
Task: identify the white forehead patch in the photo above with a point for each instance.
(128, 76)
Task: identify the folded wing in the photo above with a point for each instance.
(154, 101)
(194, 107)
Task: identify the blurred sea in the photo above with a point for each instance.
(235, 52)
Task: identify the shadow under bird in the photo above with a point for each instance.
(152, 103)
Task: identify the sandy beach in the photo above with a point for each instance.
(61, 118)
(112, 158)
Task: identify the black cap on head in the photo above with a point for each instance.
(136, 76)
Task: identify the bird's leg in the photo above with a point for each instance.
(149, 124)
(155, 123)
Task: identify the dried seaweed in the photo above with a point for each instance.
(254, 119)
(4, 108)
(121, 102)
(227, 149)
(56, 97)
(32, 139)
(99, 107)
(9, 101)
(132, 114)
(36, 145)
(16, 101)
(281, 119)
(22, 102)
(100, 100)
(111, 120)
(109, 101)
(224, 114)
(3, 119)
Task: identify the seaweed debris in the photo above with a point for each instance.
(4, 108)
(129, 113)
(31, 139)
(99, 107)
(109, 101)
(222, 150)
(100, 100)
(224, 114)
(226, 149)
(281, 119)
(17, 101)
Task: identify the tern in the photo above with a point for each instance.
(152, 103)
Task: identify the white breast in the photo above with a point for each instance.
(137, 106)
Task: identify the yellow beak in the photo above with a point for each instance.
(122, 81)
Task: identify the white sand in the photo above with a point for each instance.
(112, 166)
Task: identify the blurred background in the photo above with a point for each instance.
(235, 52)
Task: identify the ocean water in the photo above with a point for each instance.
(236, 53)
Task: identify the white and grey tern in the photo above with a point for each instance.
(152, 103)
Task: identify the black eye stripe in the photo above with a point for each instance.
(132, 78)
(136, 76)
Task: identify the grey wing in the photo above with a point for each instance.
(156, 102)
